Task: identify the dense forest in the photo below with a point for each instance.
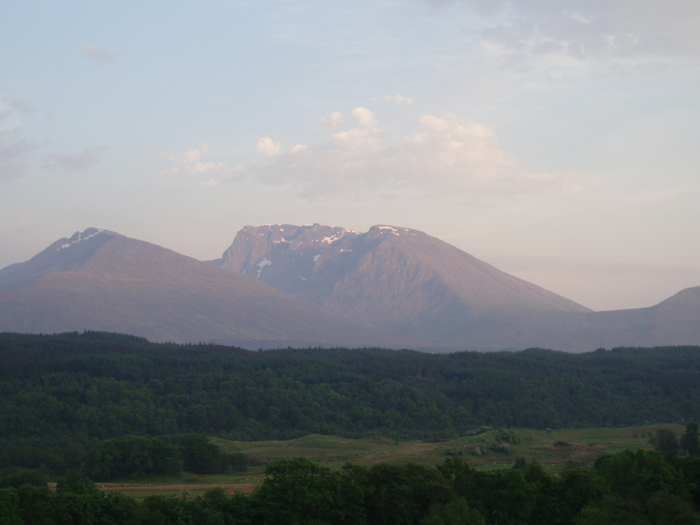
(631, 488)
(62, 394)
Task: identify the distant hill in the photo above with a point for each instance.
(100, 280)
(673, 321)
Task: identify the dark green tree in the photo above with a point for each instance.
(613, 510)
(9, 507)
(637, 475)
(454, 513)
(689, 441)
(199, 454)
(300, 491)
(665, 441)
(670, 509)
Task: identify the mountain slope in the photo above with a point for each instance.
(100, 280)
(411, 285)
(397, 280)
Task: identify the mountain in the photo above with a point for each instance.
(397, 280)
(675, 321)
(285, 285)
(100, 280)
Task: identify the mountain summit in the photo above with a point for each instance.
(397, 280)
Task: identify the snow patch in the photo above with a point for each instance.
(332, 239)
(265, 262)
(79, 239)
(393, 230)
(302, 278)
(316, 257)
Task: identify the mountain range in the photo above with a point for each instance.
(100, 280)
(281, 285)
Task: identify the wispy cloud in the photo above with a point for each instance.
(399, 100)
(193, 168)
(9, 105)
(74, 163)
(99, 56)
(14, 153)
(562, 36)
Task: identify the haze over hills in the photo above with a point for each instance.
(392, 287)
(100, 280)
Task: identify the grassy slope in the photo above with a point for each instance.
(585, 445)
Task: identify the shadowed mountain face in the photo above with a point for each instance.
(397, 280)
(100, 280)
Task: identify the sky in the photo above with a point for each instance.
(558, 140)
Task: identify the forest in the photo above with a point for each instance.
(61, 395)
(631, 488)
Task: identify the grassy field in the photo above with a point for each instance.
(554, 449)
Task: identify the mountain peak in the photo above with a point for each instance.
(78, 237)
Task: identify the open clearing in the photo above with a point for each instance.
(554, 449)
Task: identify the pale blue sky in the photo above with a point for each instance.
(555, 139)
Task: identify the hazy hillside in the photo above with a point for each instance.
(101, 280)
(398, 280)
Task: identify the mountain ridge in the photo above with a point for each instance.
(390, 286)
(101, 280)
(398, 280)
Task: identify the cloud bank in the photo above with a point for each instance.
(447, 155)
(628, 36)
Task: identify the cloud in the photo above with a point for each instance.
(195, 169)
(75, 163)
(364, 117)
(561, 36)
(299, 148)
(204, 167)
(335, 120)
(9, 105)
(97, 55)
(268, 147)
(14, 153)
(447, 155)
(399, 100)
(209, 183)
(193, 154)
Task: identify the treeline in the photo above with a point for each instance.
(60, 394)
(635, 488)
(143, 455)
